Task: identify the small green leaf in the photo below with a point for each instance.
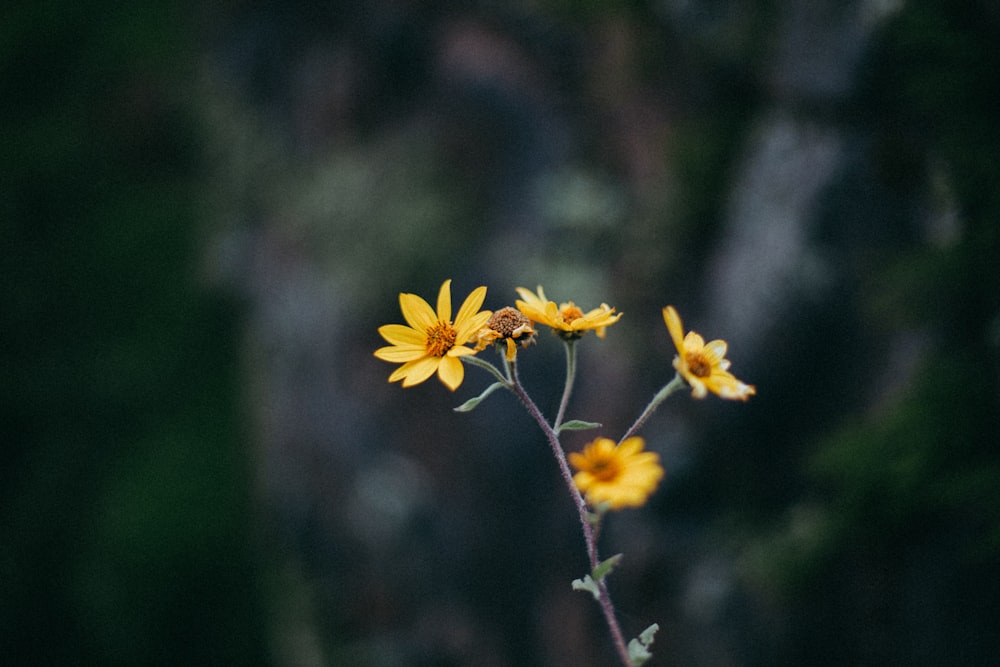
(649, 634)
(576, 425)
(471, 404)
(587, 584)
(638, 649)
(637, 653)
(595, 517)
(605, 567)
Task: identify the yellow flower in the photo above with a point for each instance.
(702, 365)
(619, 475)
(432, 342)
(509, 325)
(566, 319)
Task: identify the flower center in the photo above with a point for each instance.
(605, 470)
(507, 321)
(698, 365)
(570, 312)
(440, 338)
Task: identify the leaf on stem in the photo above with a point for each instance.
(576, 425)
(605, 567)
(638, 649)
(587, 584)
(597, 515)
(590, 581)
(471, 404)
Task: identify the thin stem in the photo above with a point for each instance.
(669, 388)
(487, 366)
(570, 378)
(607, 607)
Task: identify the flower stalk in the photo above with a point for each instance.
(489, 368)
(570, 346)
(589, 533)
(669, 388)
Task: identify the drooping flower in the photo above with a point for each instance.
(432, 342)
(703, 365)
(566, 319)
(507, 325)
(619, 475)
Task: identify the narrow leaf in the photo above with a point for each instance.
(638, 653)
(605, 567)
(587, 584)
(471, 404)
(576, 425)
(638, 649)
(647, 635)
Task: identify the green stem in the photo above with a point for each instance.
(672, 386)
(589, 535)
(487, 366)
(568, 387)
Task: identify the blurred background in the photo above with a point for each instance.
(207, 209)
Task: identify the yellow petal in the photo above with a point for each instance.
(417, 312)
(399, 354)
(534, 307)
(583, 480)
(631, 446)
(736, 390)
(674, 326)
(444, 302)
(471, 306)
(551, 315)
(401, 372)
(717, 348)
(681, 366)
(605, 312)
(529, 299)
(451, 371)
(397, 334)
(645, 459)
(698, 389)
(418, 371)
(693, 342)
(471, 326)
(532, 313)
(604, 446)
(538, 299)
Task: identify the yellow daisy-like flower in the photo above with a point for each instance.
(432, 342)
(619, 475)
(507, 325)
(702, 365)
(566, 319)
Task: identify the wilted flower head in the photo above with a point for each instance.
(507, 325)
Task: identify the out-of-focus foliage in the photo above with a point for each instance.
(897, 535)
(125, 522)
